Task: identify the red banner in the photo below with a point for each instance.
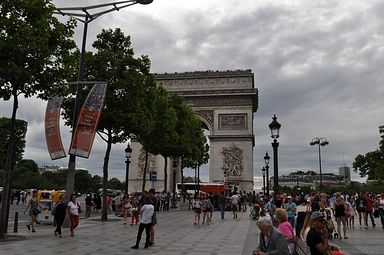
(87, 122)
(52, 128)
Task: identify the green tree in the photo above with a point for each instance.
(115, 183)
(83, 181)
(114, 62)
(21, 127)
(165, 130)
(34, 47)
(371, 165)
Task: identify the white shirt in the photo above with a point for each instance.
(235, 199)
(146, 213)
(74, 208)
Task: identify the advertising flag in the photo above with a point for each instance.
(87, 122)
(52, 128)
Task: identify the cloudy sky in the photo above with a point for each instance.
(317, 66)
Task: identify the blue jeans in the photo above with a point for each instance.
(222, 210)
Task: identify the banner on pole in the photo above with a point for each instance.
(87, 122)
(52, 128)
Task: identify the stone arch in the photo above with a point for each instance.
(225, 101)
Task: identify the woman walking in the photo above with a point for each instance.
(339, 209)
(73, 212)
(206, 207)
(146, 212)
(197, 209)
(126, 208)
(135, 209)
(33, 206)
(59, 215)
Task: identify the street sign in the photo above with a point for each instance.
(153, 176)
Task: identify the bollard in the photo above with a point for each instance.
(15, 226)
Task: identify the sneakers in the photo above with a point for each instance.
(135, 247)
(29, 227)
(33, 230)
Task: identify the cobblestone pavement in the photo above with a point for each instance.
(175, 234)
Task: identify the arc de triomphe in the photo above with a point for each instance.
(225, 102)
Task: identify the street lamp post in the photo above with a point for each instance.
(321, 141)
(84, 14)
(274, 126)
(263, 171)
(266, 160)
(128, 154)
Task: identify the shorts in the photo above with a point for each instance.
(197, 210)
(234, 208)
(340, 219)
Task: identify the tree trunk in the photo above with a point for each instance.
(104, 214)
(165, 174)
(145, 171)
(8, 170)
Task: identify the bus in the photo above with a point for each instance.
(205, 188)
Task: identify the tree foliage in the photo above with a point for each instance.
(21, 127)
(34, 54)
(371, 164)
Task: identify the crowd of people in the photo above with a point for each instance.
(282, 219)
(311, 219)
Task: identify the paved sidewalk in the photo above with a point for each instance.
(175, 234)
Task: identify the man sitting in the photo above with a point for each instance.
(317, 237)
(271, 240)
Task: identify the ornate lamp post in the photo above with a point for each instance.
(263, 171)
(274, 126)
(128, 154)
(321, 141)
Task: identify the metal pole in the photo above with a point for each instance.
(263, 184)
(321, 177)
(275, 145)
(267, 179)
(126, 175)
(72, 158)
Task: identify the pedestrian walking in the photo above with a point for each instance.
(380, 206)
(291, 208)
(197, 208)
(235, 199)
(135, 209)
(339, 209)
(206, 206)
(88, 205)
(147, 211)
(222, 203)
(59, 212)
(360, 207)
(73, 212)
(126, 208)
(155, 202)
(368, 202)
(33, 206)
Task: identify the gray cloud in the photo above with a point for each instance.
(317, 66)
